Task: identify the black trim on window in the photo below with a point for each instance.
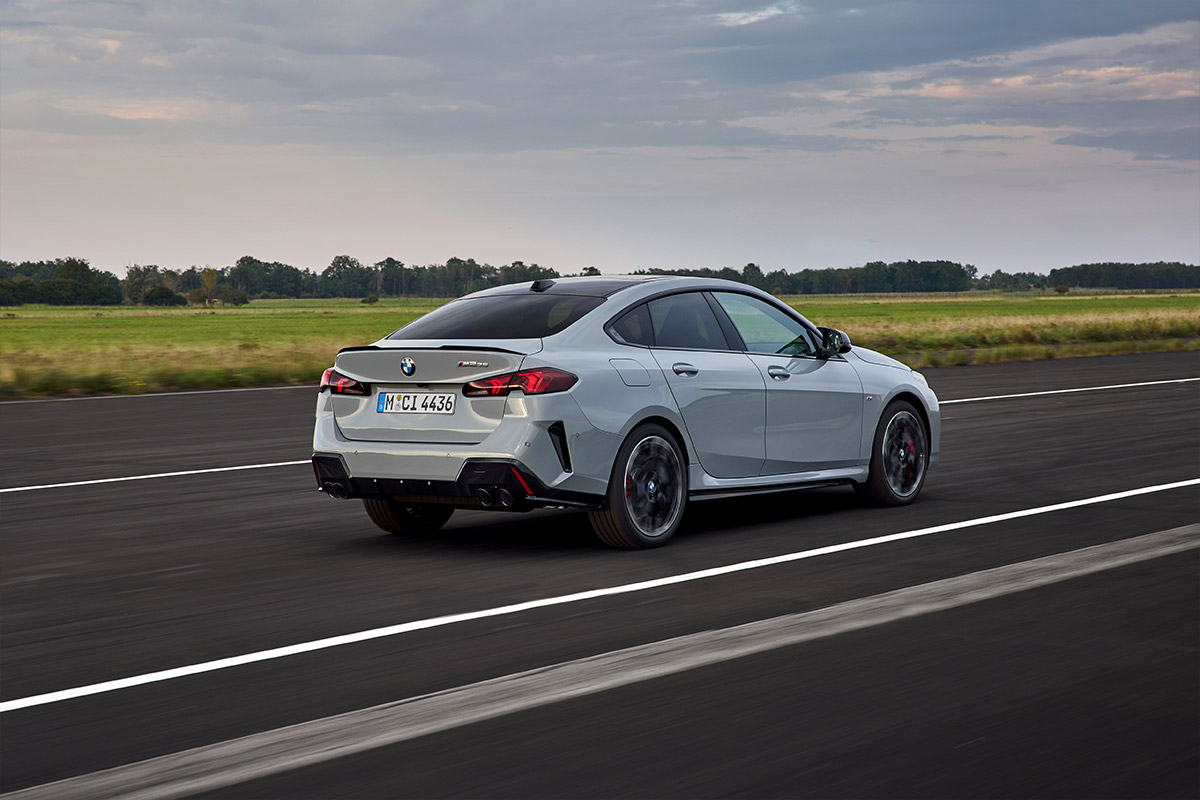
(722, 317)
(732, 337)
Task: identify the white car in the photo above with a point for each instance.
(628, 396)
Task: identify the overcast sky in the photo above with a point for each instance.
(1009, 134)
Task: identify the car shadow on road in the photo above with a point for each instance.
(568, 532)
(715, 516)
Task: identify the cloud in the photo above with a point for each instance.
(1180, 145)
(476, 76)
(739, 18)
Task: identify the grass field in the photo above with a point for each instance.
(48, 350)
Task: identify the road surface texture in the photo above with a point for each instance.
(1054, 653)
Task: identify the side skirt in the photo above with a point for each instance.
(717, 494)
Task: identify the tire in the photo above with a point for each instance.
(417, 520)
(647, 492)
(899, 457)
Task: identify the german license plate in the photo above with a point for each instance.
(415, 403)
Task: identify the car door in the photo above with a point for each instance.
(720, 393)
(814, 405)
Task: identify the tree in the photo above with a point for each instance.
(753, 275)
(75, 283)
(347, 277)
(138, 280)
(208, 283)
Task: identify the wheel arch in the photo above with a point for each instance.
(915, 401)
(673, 429)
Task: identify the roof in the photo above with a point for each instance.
(587, 286)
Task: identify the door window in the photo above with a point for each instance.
(686, 321)
(765, 328)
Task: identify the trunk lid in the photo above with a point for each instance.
(416, 390)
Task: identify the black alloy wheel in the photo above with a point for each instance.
(647, 491)
(899, 457)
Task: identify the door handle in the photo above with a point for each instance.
(686, 370)
(778, 373)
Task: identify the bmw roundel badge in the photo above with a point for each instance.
(408, 367)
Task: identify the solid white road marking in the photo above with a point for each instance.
(591, 594)
(309, 386)
(294, 463)
(155, 475)
(271, 752)
(1064, 391)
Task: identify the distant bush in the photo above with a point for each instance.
(371, 298)
(1062, 289)
(162, 296)
(230, 296)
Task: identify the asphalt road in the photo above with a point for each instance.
(1086, 687)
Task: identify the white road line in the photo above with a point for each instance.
(591, 594)
(154, 475)
(271, 752)
(312, 387)
(1065, 391)
(294, 463)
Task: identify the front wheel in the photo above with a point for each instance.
(413, 520)
(899, 457)
(647, 492)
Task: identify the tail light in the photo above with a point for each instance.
(337, 383)
(543, 380)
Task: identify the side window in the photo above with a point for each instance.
(685, 320)
(634, 327)
(765, 328)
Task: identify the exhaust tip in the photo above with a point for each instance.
(336, 490)
(506, 498)
(484, 497)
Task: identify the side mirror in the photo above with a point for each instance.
(833, 342)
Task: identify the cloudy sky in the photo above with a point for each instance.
(1015, 135)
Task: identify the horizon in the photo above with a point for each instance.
(317, 271)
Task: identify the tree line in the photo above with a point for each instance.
(72, 281)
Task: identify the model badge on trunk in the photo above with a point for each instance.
(473, 364)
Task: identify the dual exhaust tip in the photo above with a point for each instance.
(335, 489)
(497, 494)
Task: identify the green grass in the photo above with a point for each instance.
(48, 350)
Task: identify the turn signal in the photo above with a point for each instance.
(337, 383)
(543, 380)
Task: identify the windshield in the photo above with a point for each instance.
(507, 316)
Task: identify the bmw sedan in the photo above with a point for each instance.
(626, 396)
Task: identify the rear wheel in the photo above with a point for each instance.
(395, 517)
(647, 492)
(899, 457)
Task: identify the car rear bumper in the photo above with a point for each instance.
(562, 458)
(500, 484)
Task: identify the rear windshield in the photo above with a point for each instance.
(523, 316)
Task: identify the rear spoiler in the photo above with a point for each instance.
(485, 348)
